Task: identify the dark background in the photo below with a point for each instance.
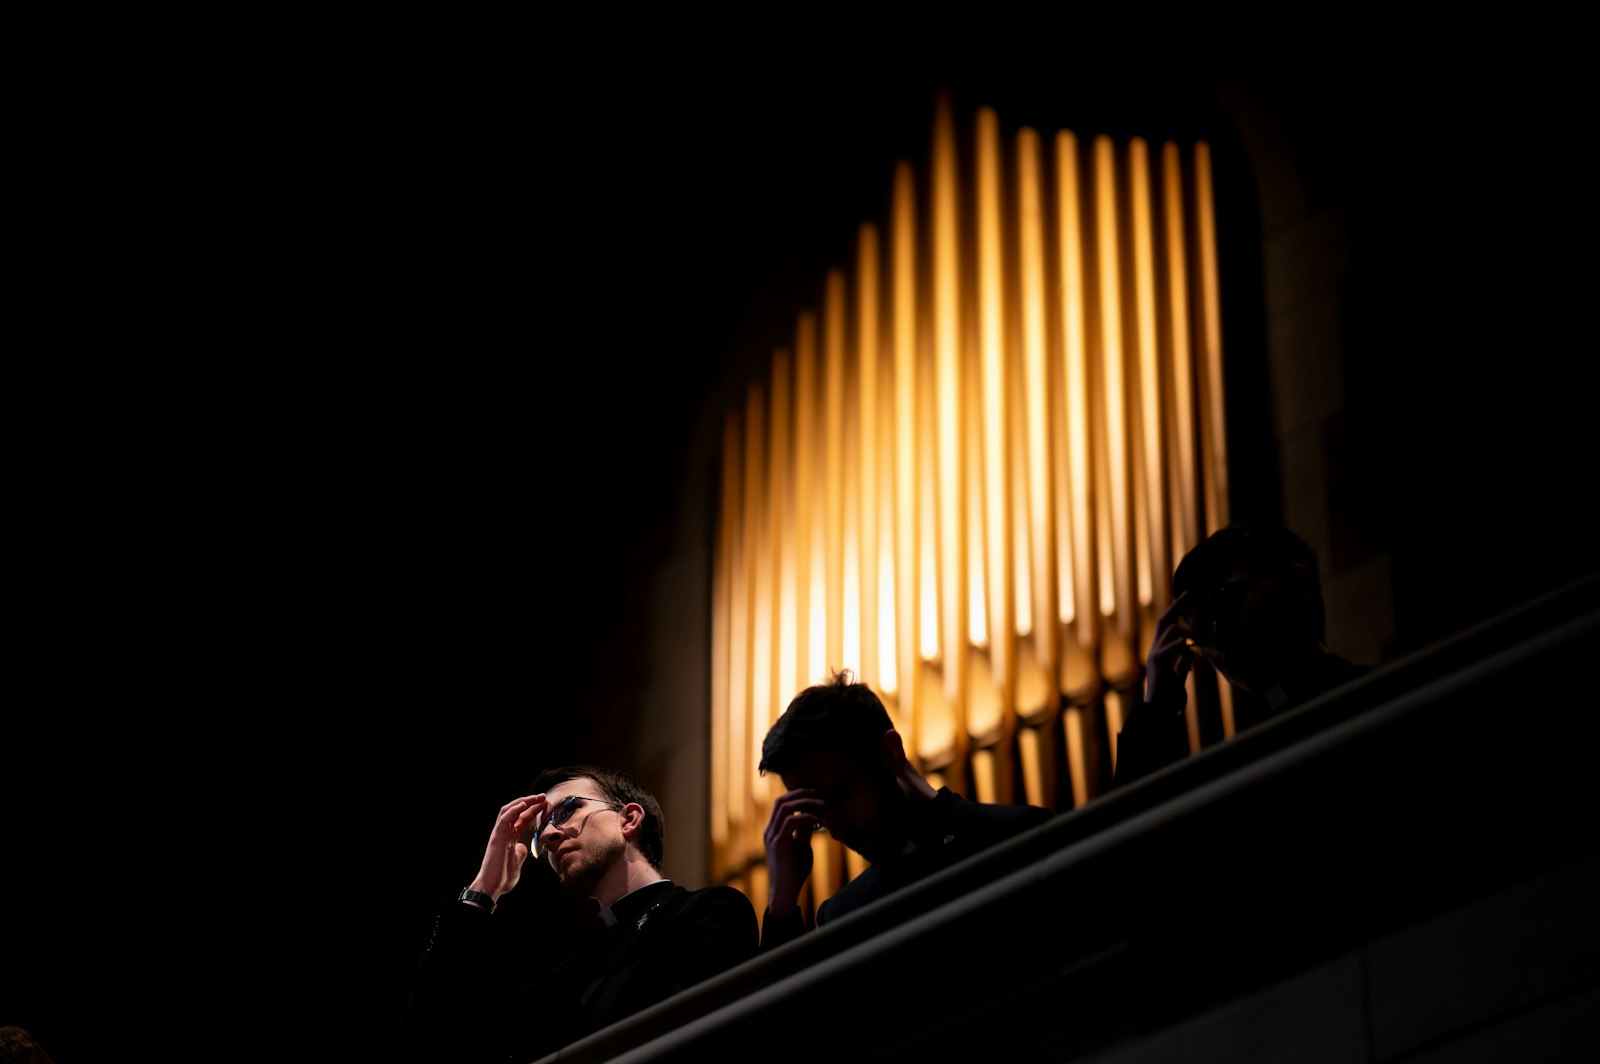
(361, 383)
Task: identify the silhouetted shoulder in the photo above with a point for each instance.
(719, 903)
(1025, 816)
(717, 922)
(987, 820)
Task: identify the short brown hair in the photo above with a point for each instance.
(839, 714)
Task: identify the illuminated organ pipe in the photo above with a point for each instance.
(968, 477)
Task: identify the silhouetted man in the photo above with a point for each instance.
(1247, 599)
(846, 771)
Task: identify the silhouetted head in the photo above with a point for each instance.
(615, 790)
(1253, 601)
(17, 1046)
(836, 738)
(841, 715)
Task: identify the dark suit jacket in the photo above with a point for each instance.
(948, 830)
(478, 997)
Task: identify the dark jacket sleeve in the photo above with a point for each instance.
(1155, 735)
(776, 932)
(451, 1011)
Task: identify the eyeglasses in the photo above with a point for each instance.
(560, 813)
(1218, 608)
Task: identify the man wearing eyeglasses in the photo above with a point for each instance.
(1247, 600)
(479, 995)
(845, 771)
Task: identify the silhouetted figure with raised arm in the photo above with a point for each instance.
(483, 993)
(846, 771)
(1248, 599)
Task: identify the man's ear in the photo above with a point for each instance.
(1304, 586)
(632, 819)
(891, 750)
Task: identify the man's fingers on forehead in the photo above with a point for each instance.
(800, 796)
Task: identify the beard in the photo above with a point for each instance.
(582, 871)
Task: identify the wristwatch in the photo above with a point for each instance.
(478, 898)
